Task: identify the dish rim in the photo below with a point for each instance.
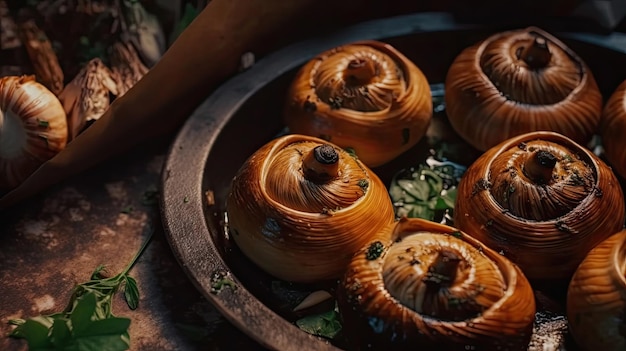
(181, 201)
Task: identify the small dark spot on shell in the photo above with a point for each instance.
(364, 184)
(563, 227)
(597, 192)
(335, 103)
(480, 185)
(406, 135)
(309, 106)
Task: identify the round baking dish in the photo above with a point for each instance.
(246, 112)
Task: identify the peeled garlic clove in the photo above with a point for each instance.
(432, 287)
(542, 200)
(521, 81)
(33, 128)
(612, 127)
(596, 297)
(365, 96)
(299, 207)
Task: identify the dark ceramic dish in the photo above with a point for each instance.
(245, 113)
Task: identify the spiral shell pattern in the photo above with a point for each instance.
(596, 298)
(521, 81)
(433, 287)
(541, 200)
(299, 228)
(366, 96)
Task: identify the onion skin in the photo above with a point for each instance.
(494, 90)
(303, 223)
(366, 96)
(596, 298)
(33, 128)
(545, 222)
(375, 317)
(612, 129)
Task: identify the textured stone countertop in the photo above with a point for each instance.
(56, 239)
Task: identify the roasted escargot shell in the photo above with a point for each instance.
(521, 81)
(432, 287)
(541, 200)
(612, 128)
(366, 96)
(300, 207)
(596, 298)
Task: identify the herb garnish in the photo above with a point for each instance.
(87, 323)
(326, 324)
(427, 191)
(374, 251)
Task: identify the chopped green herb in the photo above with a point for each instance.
(325, 324)
(351, 152)
(457, 234)
(426, 191)
(374, 250)
(87, 323)
(364, 184)
(221, 280)
(480, 185)
(42, 123)
(127, 210)
(335, 103)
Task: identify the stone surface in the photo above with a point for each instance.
(55, 240)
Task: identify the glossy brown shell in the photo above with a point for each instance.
(493, 93)
(295, 228)
(596, 298)
(613, 129)
(366, 96)
(385, 301)
(545, 225)
(33, 128)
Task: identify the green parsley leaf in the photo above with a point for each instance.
(325, 324)
(116, 326)
(61, 333)
(131, 293)
(427, 190)
(35, 333)
(81, 315)
(87, 323)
